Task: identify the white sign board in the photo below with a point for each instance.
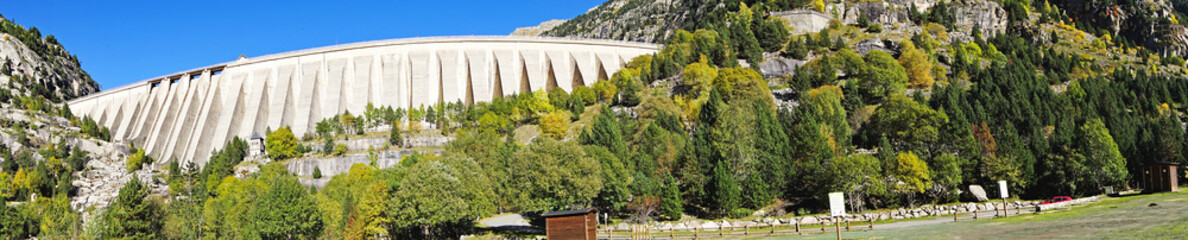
(1002, 188)
(837, 204)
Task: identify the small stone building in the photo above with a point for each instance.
(572, 224)
(1160, 177)
(255, 145)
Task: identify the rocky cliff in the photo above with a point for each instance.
(630, 20)
(34, 65)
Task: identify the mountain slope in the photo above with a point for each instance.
(39, 66)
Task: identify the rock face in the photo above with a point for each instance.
(631, 20)
(539, 29)
(988, 16)
(41, 62)
(779, 67)
(99, 182)
(105, 174)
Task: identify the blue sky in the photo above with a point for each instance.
(120, 42)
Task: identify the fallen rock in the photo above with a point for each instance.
(978, 193)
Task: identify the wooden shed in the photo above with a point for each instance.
(1161, 177)
(572, 224)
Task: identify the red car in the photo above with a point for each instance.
(1058, 199)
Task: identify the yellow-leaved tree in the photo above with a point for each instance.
(912, 173)
(917, 65)
(555, 124)
(700, 75)
(281, 144)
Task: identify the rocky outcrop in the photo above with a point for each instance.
(106, 173)
(49, 66)
(630, 20)
(538, 29)
(99, 182)
(779, 67)
(987, 15)
(882, 12)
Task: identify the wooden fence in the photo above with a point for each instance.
(646, 232)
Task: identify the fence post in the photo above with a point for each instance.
(721, 231)
(975, 213)
(695, 232)
(847, 224)
(672, 233)
(772, 228)
(797, 227)
(872, 223)
(955, 213)
(747, 230)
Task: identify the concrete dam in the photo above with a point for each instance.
(186, 115)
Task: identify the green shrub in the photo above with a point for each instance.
(136, 160)
(340, 149)
(875, 28)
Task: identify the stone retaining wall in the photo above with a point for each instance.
(924, 211)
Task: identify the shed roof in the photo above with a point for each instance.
(569, 212)
(255, 135)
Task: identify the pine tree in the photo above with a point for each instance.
(395, 138)
(131, 216)
(797, 49)
(724, 190)
(671, 205)
(606, 133)
(886, 152)
(758, 190)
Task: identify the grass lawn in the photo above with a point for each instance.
(1111, 218)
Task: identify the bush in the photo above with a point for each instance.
(741, 212)
(875, 28)
(1173, 60)
(394, 138)
(317, 174)
(136, 160)
(340, 149)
